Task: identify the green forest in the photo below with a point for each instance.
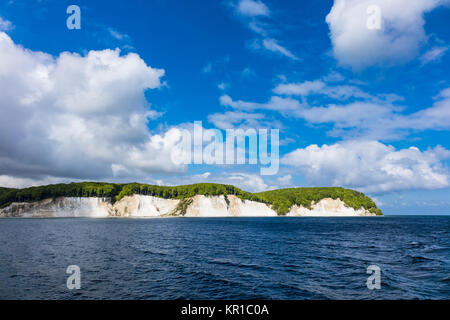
(281, 200)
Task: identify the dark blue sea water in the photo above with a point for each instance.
(237, 258)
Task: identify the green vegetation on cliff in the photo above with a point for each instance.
(181, 192)
(3, 190)
(281, 200)
(83, 189)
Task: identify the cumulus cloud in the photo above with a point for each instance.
(248, 182)
(398, 39)
(76, 116)
(371, 166)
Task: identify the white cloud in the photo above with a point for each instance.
(380, 120)
(232, 119)
(274, 46)
(434, 54)
(222, 86)
(397, 41)
(252, 8)
(285, 180)
(283, 105)
(341, 92)
(76, 116)
(328, 87)
(354, 113)
(302, 88)
(15, 182)
(371, 166)
(243, 117)
(5, 25)
(205, 175)
(117, 35)
(334, 76)
(248, 182)
(255, 14)
(245, 181)
(259, 27)
(349, 115)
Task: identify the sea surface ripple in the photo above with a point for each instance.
(229, 258)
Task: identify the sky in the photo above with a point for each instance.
(359, 91)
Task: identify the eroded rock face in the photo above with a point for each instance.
(144, 206)
(60, 207)
(231, 206)
(247, 208)
(149, 206)
(328, 208)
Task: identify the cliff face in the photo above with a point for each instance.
(231, 206)
(144, 206)
(149, 206)
(328, 208)
(59, 207)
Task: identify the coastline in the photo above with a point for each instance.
(199, 206)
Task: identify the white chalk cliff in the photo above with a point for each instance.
(59, 207)
(149, 206)
(328, 208)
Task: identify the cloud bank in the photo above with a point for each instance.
(76, 116)
(371, 166)
(352, 112)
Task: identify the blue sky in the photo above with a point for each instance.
(356, 107)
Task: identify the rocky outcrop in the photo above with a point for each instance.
(60, 207)
(149, 206)
(229, 206)
(328, 208)
(144, 206)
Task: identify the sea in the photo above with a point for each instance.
(225, 258)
